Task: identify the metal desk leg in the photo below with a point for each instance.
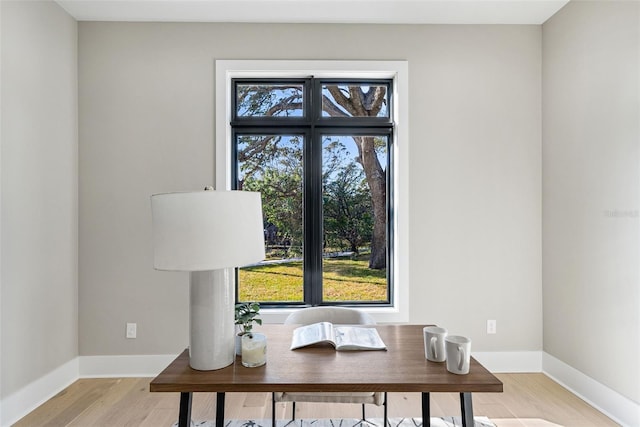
(426, 410)
(220, 409)
(184, 419)
(466, 407)
(273, 409)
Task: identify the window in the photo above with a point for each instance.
(318, 150)
(322, 151)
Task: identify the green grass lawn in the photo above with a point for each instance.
(345, 279)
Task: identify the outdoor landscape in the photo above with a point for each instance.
(345, 279)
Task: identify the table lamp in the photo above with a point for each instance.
(208, 233)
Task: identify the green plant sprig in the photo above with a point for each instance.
(246, 316)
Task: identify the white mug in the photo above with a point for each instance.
(434, 343)
(458, 354)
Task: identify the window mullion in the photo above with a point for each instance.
(313, 201)
(316, 193)
(313, 221)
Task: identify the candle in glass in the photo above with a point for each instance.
(254, 350)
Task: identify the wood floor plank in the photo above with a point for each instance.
(65, 406)
(105, 403)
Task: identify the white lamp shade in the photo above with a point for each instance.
(207, 230)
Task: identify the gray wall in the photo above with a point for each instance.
(39, 191)
(146, 98)
(591, 173)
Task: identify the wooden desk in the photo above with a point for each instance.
(402, 368)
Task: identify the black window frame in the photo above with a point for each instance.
(313, 126)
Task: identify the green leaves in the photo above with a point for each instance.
(246, 315)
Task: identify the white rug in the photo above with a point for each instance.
(347, 422)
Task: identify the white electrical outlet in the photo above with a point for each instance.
(491, 326)
(132, 330)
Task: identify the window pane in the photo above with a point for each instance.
(272, 165)
(354, 218)
(354, 100)
(269, 100)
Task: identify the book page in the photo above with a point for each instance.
(312, 334)
(356, 338)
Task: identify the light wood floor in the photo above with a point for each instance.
(531, 400)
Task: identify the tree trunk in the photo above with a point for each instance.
(377, 181)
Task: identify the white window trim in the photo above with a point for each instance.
(225, 70)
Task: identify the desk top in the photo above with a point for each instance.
(401, 368)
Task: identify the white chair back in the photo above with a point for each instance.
(335, 315)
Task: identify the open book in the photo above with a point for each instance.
(341, 337)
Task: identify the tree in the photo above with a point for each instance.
(272, 165)
(347, 208)
(338, 101)
(359, 103)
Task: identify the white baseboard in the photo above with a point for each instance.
(20, 403)
(510, 361)
(124, 366)
(614, 405)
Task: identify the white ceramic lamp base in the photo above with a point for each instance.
(211, 320)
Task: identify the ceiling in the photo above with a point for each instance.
(317, 11)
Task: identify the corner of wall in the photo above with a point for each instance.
(611, 403)
(29, 397)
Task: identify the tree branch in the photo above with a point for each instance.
(331, 108)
